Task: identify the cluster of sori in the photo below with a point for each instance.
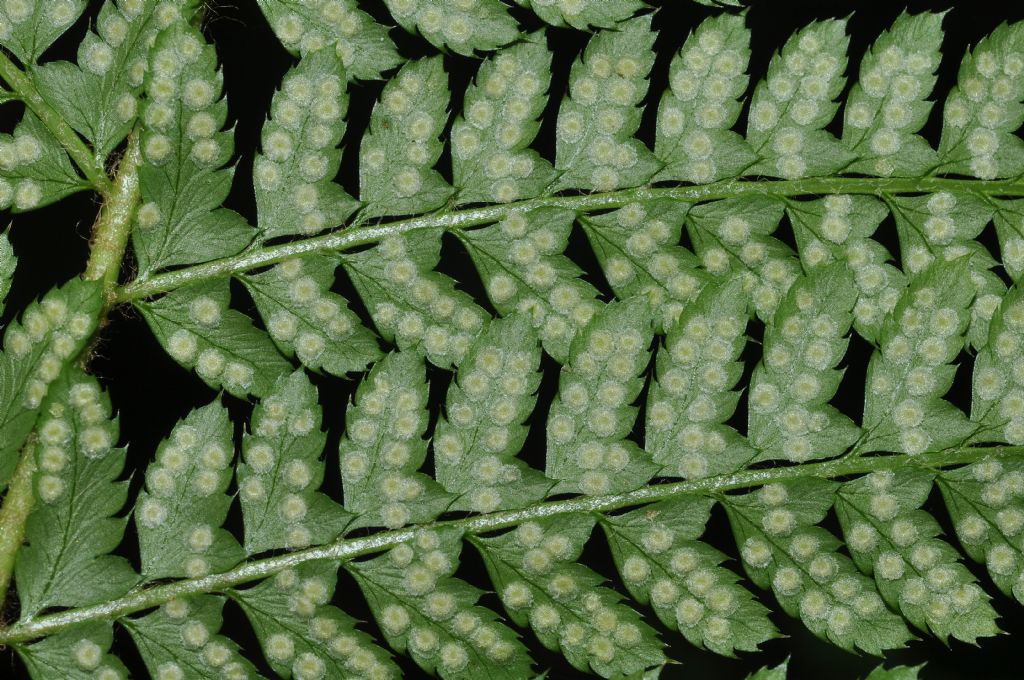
(916, 572)
(789, 412)
(999, 374)
(411, 303)
(695, 116)
(299, 156)
(541, 585)
(594, 143)
(790, 107)
(50, 332)
(210, 362)
(191, 470)
(986, 502)
(692, 396)
(523, 267)
(661, 563)
(638, 248)
(422, 609)
(20, 149)
(182, 114)
(592, 413)
(59, 14)
(461, 25)
(382, 448)
(476, 444)
(78, 426)
(981, 113)
(783, 549)
(501, 110)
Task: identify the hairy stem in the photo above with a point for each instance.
(113, 226)
(349, 237)
(16, 508)
(345, 549)
(25, 89)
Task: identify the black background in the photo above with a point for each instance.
(151, 392)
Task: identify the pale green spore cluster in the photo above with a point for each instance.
(593, 411)
(789, 109)
(782, 548)
(889, 104)
(383, 447)
(301, 634)
(638, 249)
(838, 227)
(707, 80)
(482, 429)
(692, 396)
(425, 612)
(662, 564)
(305, 319)
(179, 514)
(401, 146)
(491, 158)
(462, 26)
(412, 305)
(522, 263)
(917, 574)
(541, 586)
(789, 416)
(986, 504)
(594, 144)
(295, 191)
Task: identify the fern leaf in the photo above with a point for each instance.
(647, 261)
(383, 448)
(523, 268)
(733, 238)
(594, 143)
(304, 26)
(997, 402)
(694, 135)
(8, 263)
(197, 330)
(917, 574)
(839, 228)
(184, 148)
(30, 27)
(300, 155)
(463, 26)
(281, 506)
(491, 158)
(34, 170)
(304, 637)
(401, 145)
(888, 105)
(35, 351)
(691, 398)
(413, 306)
(591, 416)
(72, 530)
(180, 640)
(782, 548)
(775, 672)
(789, 110)
(982, 110)
(662, 563)
(984, 502)
(78, 653)
(179, 515)
(789, 416)
(476, 444)
(98, 96)
(425, 612)
(535, 572)
(909, 373)
(305, 319)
